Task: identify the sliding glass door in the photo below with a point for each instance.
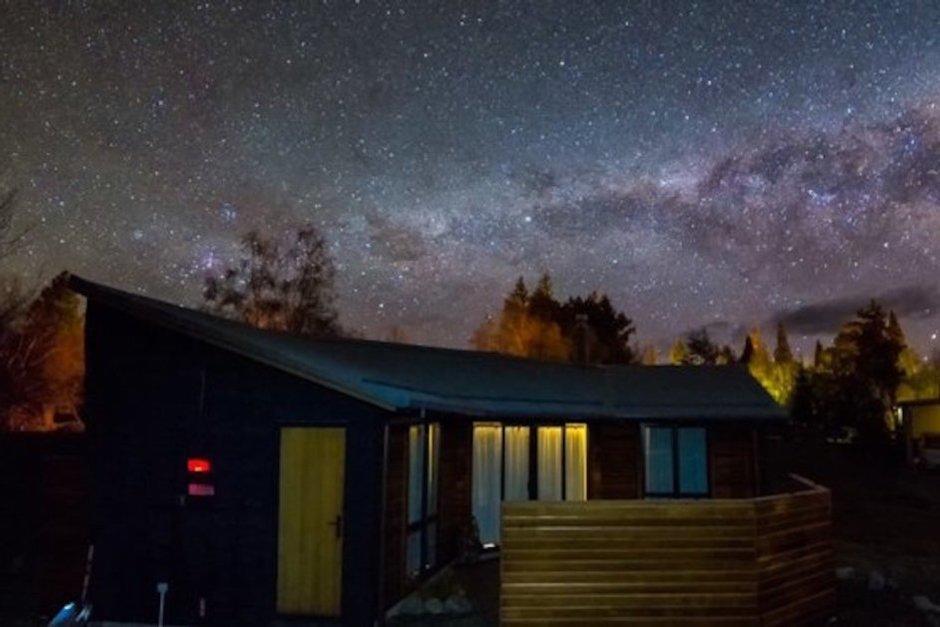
(520, 463)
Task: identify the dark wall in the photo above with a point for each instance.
(615, 459)
(155, 397)
(454, 494)
(395, 514)
(44, 529)
(733, 463)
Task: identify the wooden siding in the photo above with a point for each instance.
(454, 486)
(614, 461)
(153, 397)
(396, 503)
(732, 462)
(765, 561)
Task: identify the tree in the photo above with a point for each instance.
(679, 353)
(782, 353)
(41, 356)
(701, 348)
(726, 356)
(649, 356)
(276, 287)
(863, 374)
(535, 324)
(608, 332)
(541, 302)
(802, 408)
(818, 355)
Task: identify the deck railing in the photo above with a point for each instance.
(761, 561)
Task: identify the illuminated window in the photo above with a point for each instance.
(676, 461)
(520, 463)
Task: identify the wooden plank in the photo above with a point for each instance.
(726, 561)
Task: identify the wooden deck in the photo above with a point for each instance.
(761, 561)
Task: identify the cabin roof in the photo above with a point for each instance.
(402, 377)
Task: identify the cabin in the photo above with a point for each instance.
(265, 477)
(919, 421)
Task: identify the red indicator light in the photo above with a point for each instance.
(200, 489)
(198, 464)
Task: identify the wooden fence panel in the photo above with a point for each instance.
(765, 561)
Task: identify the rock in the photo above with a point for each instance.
(433, 606)
(845, 572)
(411, 606)
(924, 604)
(876, 581)
(457, 604)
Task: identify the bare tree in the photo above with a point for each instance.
(276, 287)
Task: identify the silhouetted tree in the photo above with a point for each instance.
(275, 287)
(782, 352)
(702, 350)
(802, 408)
(535, 324)
(608, 330)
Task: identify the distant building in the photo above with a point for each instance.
(920, 424)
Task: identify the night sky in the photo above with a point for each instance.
(703, 163)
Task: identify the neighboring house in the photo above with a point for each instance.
(920, 424)
(264, 475)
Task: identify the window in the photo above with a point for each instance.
(519, 463)
(676, 461)
(424, 443)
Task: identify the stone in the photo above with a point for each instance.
(433, 606)
(411, 606)
(457, 604)
(876, 581)
(845, 572)
(924, 604)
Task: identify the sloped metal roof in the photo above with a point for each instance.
(408, 377)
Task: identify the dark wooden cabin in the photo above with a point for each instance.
(265, 476)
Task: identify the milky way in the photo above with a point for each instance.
(704, 163)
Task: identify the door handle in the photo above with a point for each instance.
(337, 525)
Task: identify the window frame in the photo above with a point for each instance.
(533, 426)
(676, 492)
(424, 522)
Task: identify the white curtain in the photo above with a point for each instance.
(487, 455)
(549, 463)
(575, 462)
(517, 464)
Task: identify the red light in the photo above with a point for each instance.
(200, 489)
(198, 464)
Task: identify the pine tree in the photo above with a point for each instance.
(782, 353)
(747, 353)
(818, 355)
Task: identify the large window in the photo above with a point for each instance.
(520, 463)
(676, 461)
(424, 442)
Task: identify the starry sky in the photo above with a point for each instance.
(705, 163)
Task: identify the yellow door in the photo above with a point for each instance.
(310, 527)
